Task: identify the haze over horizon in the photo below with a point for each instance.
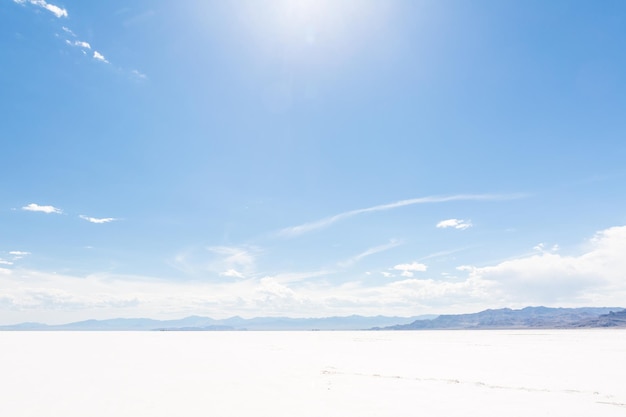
(310, 158)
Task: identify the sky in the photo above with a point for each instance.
(310, 158)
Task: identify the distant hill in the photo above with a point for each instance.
(198, 323)
(525, 318)
(613, 319)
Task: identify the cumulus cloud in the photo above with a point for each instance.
(308, 227)
(550, 277)
(276, 294)
(99, 57)
(97, 220)
(55, 10)
(409, 269)
(454, 223)
(42, 209)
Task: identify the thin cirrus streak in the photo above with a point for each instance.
(327, 221)
(371, 251)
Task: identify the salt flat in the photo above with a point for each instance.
(420, 373)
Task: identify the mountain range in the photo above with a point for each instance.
(525, 318)
(504, 318)
(198, 323)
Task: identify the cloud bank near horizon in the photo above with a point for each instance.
(593, 277)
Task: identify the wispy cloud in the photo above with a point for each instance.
(139, 75)
(80, 44)
(68, 31)
(234, 256)
(233, 273)
(56, 10)
(371, 251)
(99, 57)
(541, 247)
(291, 277)
(212, 261)
(18, 254)
(454, 223)
(409, 269)
(61, 12)
(42, 209)
(98, 220)
(325, 222)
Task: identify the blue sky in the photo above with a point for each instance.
(310, 158)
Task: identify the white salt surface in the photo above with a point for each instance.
(299, 374)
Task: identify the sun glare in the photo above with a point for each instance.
(309, 21)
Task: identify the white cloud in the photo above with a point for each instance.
(409, 269)
(541, 247)
(42, 209)
(56, 10)
(548, 277)
(233, 273)
(139, 74)
(17, 254)
(98, 220)
(592, 277)
(3, 262)
(68, 31)
(80, 44)
(98, 56)
(454, 223)
(308, 227)
(276, 293)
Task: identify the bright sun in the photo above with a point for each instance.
(307, 20)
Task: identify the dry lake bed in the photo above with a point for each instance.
(413, 373)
